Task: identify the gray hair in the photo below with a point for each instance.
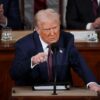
(44, 14)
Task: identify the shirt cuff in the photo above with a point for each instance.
(89, 26)
(32, 65)
(90, 83)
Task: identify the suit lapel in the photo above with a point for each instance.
(39, 48)
(60, 53)
(37, 43)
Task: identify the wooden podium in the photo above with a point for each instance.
(26, 93)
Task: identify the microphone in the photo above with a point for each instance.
(54, 48)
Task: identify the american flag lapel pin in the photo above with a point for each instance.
(61, 51)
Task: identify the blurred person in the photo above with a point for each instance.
(10, 14)
(81, 14)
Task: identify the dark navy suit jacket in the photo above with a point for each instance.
(11, 11)
(67, 57)
(79, 13)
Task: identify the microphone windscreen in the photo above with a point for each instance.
(54, 47)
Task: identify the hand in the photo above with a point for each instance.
(96, 23)
(39, 58)
(94, 87)
(2, 17)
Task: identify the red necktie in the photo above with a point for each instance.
(50, 64)
(95, 7)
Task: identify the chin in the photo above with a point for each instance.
(53, 42)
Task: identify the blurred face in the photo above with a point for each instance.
(49, 31)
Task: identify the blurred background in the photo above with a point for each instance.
(29, 7)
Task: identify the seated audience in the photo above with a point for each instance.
(82, 14)
(10, 14)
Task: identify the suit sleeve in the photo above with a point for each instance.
(79, 65)
(21, 66)
(21, 70)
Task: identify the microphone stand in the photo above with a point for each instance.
(55, 73)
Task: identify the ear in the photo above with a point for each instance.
(37, 29)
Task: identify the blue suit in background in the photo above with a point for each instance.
(67, 57)
(79, 13)
(11, 11)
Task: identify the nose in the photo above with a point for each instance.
(52, 31)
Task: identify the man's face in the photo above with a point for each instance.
(49, 31)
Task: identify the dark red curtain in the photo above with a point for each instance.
(39, 4)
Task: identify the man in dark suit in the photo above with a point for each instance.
(30, 63)
(10, 14)
(80, 15)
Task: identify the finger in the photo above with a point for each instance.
(45, 55)
(40, 59)
(35, 60)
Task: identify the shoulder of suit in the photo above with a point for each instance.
(67, 34)
(67, 37)
(26, 38)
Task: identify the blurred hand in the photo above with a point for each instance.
(2, 17)
(39, 58)
(94, 87)
(96, 23)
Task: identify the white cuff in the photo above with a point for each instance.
(89, 26)
(90, 83)
(32, 65)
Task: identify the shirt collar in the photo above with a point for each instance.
(44, 44)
